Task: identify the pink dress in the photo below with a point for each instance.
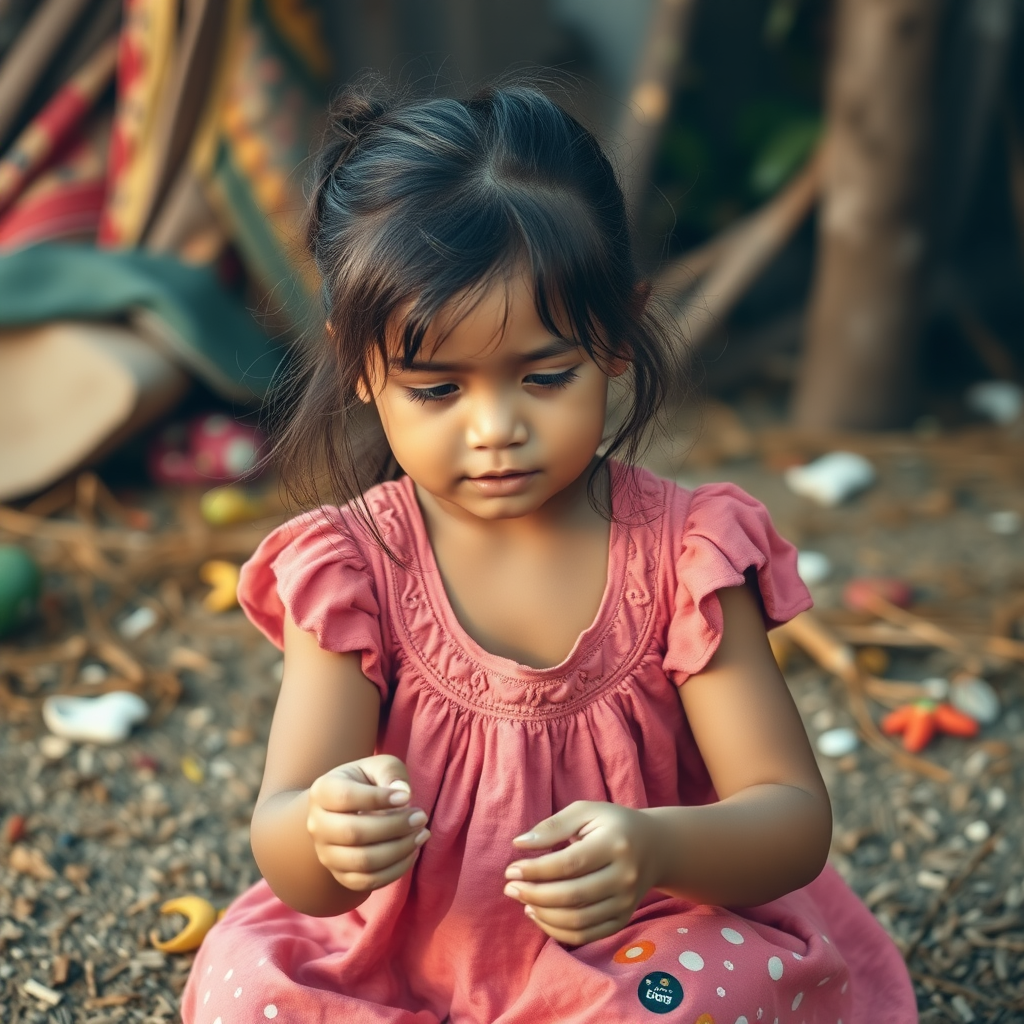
(493, 747)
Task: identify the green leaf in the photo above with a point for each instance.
(783, 153)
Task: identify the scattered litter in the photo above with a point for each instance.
(105, 719)
(831, 479)
(917, 723)
(995, 799)
(20, 587)
(976, 764)
(39, 991)
(15, 829)
(224, 506)
(1005, 523)
(140, 621)
(975, 697)
(93, 674)
(1000, 401)
(27, 860)
(838, 742)
(963, 1008)
(813, 567)
(222, 577)
(936, 687)
(978, 831)
(192, 769)
(931, 880)
(872, 660)
(200, 918)
(859, 593)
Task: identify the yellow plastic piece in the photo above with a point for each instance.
(223, 579)
(200, 916)
(223, 506)
(191, 769)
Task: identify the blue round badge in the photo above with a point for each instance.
(659, 992)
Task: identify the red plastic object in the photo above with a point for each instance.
(919, 721)
(210, 448)
(15, 828)
(856, 593)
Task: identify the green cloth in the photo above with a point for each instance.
(182, 308)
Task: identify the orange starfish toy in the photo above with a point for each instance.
(919, 721)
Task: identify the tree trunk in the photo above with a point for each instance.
(865, 309)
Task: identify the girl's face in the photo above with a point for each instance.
(499, 415)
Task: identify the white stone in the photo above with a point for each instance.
(932, 880)
(813, 567)
(138, 622)
(975, 697)
(996, 799)
(1005, 523)
(831, 479)
(837, 742)
(978, 831)
(53, 748)
(936, 687)
(1000, 401)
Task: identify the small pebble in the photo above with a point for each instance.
(824, 719)
(93, 674)
(199, 718)
(976, 698)
(1000, 401)
(813, 567)
(192, 769)
(838, 742)
(976, 764)
(53, 748)
(15, 830)
(963, 1008)
(138, 622)
(932, 880)
(936, 687)
(978, 831)
(873, 660)
(86, 762)
(1005, 523)
(996, 799)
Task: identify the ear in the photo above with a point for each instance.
(363, 392)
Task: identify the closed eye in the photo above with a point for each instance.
(552, 380)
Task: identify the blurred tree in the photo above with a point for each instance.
(866, 304)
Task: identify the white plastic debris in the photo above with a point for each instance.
(932, 880)
(978, 831)
(1001, 401)
(995, 799)
(976, 698)
(105, 719)
(838, 742)
(936, 687)
(813, 567)
(1005, 523)
(138, 622)
(831, 479)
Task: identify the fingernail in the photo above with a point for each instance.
(400, 796)
(526, 837)
(511, 890)
(529, 911)
(513, 873)
(422, 837)
(417, 818)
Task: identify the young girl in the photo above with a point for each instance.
(531, 741)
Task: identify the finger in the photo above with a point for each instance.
(582, 858)
(346, 790)
(388, 771)
(579, 919)
(577, 892)
(364, 829)
(359, 882)
(370, 860)
(559, 827)
(579, 938)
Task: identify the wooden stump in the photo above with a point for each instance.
(865, 310)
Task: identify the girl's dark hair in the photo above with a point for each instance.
(417, 202)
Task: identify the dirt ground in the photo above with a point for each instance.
(95, 839)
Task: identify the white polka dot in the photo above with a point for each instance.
(270, 1010)
(238, 991)
(824, 981)
(797, 999)
(727, 964)
(634, 951)
(206, 998)
(682, 931)
(742, 1020)
(227, 977)
(775, 968)
(720, 990)
(692, 961)
(797, 956)
(262, 961)
(733, 936)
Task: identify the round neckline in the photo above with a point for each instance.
(437, 596)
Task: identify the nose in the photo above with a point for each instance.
(495, 420)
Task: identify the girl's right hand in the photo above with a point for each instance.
(362, 832)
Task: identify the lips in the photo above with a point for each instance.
(503, 482)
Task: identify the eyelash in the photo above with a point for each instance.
(544, 380)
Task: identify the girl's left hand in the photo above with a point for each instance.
(590, 889)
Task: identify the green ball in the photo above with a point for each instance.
(21, 583)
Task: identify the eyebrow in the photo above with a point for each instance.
(557, 347)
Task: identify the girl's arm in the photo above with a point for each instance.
(327, 716)
(770, 831)
(768, 835)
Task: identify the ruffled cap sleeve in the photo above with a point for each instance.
(727, 534)
(312, 567)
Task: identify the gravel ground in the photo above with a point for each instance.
(94, 839)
